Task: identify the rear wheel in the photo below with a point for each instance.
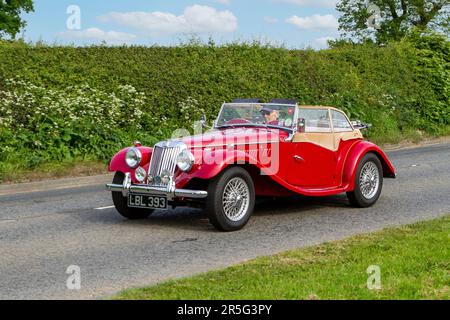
(231, 199)
(368, 182)
(121, 203)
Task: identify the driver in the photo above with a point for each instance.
(271, 115)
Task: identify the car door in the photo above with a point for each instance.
(344, 137)
(313, 154)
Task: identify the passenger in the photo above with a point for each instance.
(271, 115)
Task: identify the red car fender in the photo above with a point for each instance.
(223, 158)
(356, 153)
(118, 161)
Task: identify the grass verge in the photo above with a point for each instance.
(414, 261)
(52, 170)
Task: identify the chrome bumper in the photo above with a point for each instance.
(171, 192)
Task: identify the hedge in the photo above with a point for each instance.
(399, 88)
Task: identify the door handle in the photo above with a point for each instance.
(298, 158)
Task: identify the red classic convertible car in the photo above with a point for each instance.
(276, 149)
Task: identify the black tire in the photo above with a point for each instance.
(215, 207)
(356, 197)
(121, 203)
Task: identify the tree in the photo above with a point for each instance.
(10, 21)
(392, 19)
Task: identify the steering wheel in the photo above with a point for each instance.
(238, 121)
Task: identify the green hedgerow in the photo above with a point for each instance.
(61, 103)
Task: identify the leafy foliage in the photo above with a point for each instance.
(10, 20)
(392, 19)
(70, 103)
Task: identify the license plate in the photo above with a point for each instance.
(146, 201)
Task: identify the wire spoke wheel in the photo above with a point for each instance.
(369, 180)
(236, 199)
(231, 199)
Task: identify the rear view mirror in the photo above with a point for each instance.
(203, 121)
(301, 125)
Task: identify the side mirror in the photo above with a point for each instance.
(357, 124)
(203, 121)
(300, 128)
(301, 125)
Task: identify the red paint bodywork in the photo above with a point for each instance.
(118, 163)
(323, 171)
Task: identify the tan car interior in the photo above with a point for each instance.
(320, 132)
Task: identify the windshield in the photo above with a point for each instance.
(235, 114)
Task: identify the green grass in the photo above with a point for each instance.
(18, 172)
(414, 262)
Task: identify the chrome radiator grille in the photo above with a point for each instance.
(164, 160)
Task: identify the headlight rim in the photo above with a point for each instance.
(138, 156)
(191, 159)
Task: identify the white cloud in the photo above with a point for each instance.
(113, 37)
(195, 19)
(315, 22)
(312, 3)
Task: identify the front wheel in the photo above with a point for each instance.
(368, 182)
(231, 199)
(121, 203)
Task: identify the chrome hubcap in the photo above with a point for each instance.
(369, 180)
(236, 199)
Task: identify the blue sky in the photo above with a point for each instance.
(293, 23)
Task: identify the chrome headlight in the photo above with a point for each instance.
(133, 157)
(185, 160)
(140, 174)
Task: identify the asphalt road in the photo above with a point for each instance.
(42, 233)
